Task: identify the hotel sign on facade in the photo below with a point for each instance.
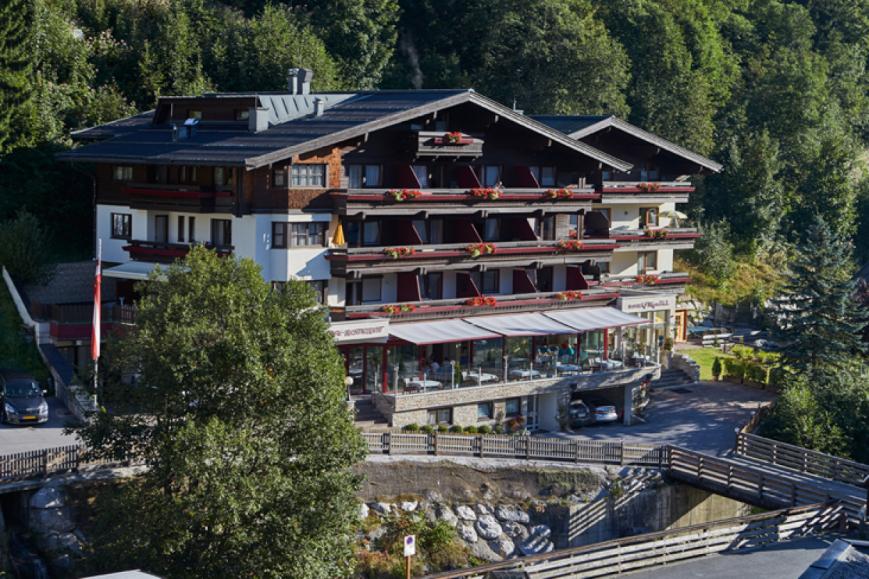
(636, 305)
(359, 331)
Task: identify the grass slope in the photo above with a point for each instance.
(15, 351)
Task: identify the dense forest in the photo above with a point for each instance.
(774, 89)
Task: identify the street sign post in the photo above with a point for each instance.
(409, 551)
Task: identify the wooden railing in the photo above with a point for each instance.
(532, 448)
(670, 546)
(42, 462)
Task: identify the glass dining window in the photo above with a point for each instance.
(308, 175)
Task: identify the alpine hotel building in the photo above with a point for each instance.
(477, 264)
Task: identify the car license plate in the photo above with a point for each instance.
(29, 417)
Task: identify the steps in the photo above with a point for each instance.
(366, 416)
(672, 377)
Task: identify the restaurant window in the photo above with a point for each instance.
(488, 282)
(221, 232)
(545, 176)
(648, 217)
(647, 261)
(491, 175)
(546, 227)
(122, 226)
(122, 173)
(440, 416)
(242, 114)
(279, 235)
(431, 285)
(308, 234)
(320, 287)
(279, 178)
(180, 228)
(161, 228)
(513, 407)
(485, 411)
(308, 176)
(191, 229)
(421, 172)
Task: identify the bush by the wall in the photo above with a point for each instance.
(734, 370)
(413, 427)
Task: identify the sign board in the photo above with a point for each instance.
(359, 331)
(634, 305)
(410, 545)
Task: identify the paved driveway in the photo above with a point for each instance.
(702, 417)
(22, 438)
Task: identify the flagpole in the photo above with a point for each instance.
(97, 319)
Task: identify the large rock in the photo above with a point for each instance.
(433, 496)
(503, 546)
(512, 513)
(487, 527)
(466, 513)
(444, 513)
(483, 509)
(467, 533)
(515, 530)
(381, 508)
(48, 497)
(49, 512)
(537, 541)
(408, 506)
(482, 550)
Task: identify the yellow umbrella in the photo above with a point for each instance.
(338, 238)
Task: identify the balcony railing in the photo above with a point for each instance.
(449, 144)
(447, 308)
(649, 187)
(141, 250)
(471, 196)
(655, 234)
(643, 280)
(205, 198)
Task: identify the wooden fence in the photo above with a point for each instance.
(40, 463)
(670, 546)
(527, 447)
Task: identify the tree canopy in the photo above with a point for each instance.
(238, 410)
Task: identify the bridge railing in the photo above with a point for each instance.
(528, 447)
(39, 463)
(669, 546)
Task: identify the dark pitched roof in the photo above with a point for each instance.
(70, 283)
(136, 140)
(579, 127)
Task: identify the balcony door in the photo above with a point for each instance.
(161, 228)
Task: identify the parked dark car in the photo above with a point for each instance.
(588, 409)
(23, 399)
(579, 414)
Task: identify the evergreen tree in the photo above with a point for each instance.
(15, 70)
(819, 322)
(239, 413)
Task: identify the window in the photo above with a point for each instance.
(359, 176)
(485, 411)
(319, 286)
(308, 176)
(242, 114)
(161, 228)
(191, 229)
(491, 229)
(440, 416)
(221, 232)
(122, 173)
(373, 176)
(545, 176)
(429, 230)
(308, 234)
(371, 289)
(122, 226)
(187, 174)
(513, 407)
(221, 176)
(431, 285)
(491, 175)
(421, 172)
(648, 217)
(647, 261)
(194, 114)
(354, 176)
(488, 282)
(371, 233)
(279, 178)
(279, 235)
(544, 279)
(546, 227)
(180, 229)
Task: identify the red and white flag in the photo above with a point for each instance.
(95, 331)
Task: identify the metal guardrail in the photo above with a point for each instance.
(664, 547)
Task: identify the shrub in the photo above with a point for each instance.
(716, 368)
(413, 427)
(443, 428)
(755, 372)
(24, 249)
(498, 428)
(427, 429)
(713, 253)
(471, 429)
(734, 369)
(485, 429)
(456, 429)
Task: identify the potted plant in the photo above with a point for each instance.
(648, 187)
(479, 301)
(398, 252)
(400, 195)
(487, 193)
(399, 308)
(568, 295)
(570, 245)
(475, 250)
(561, 193)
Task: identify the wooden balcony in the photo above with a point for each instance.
(449, 308)
(196, 198)
(481, 200)
(616, 192)
(155, 251)
(461, 255)
(447, 144)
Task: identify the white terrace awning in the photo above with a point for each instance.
(586, 319)
(530, 324)
(439, 332)
(138, 270)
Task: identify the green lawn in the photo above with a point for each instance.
(16, 352)
(705, 357)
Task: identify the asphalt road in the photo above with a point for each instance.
(23, 438)
(786, 560)
(702, 417)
